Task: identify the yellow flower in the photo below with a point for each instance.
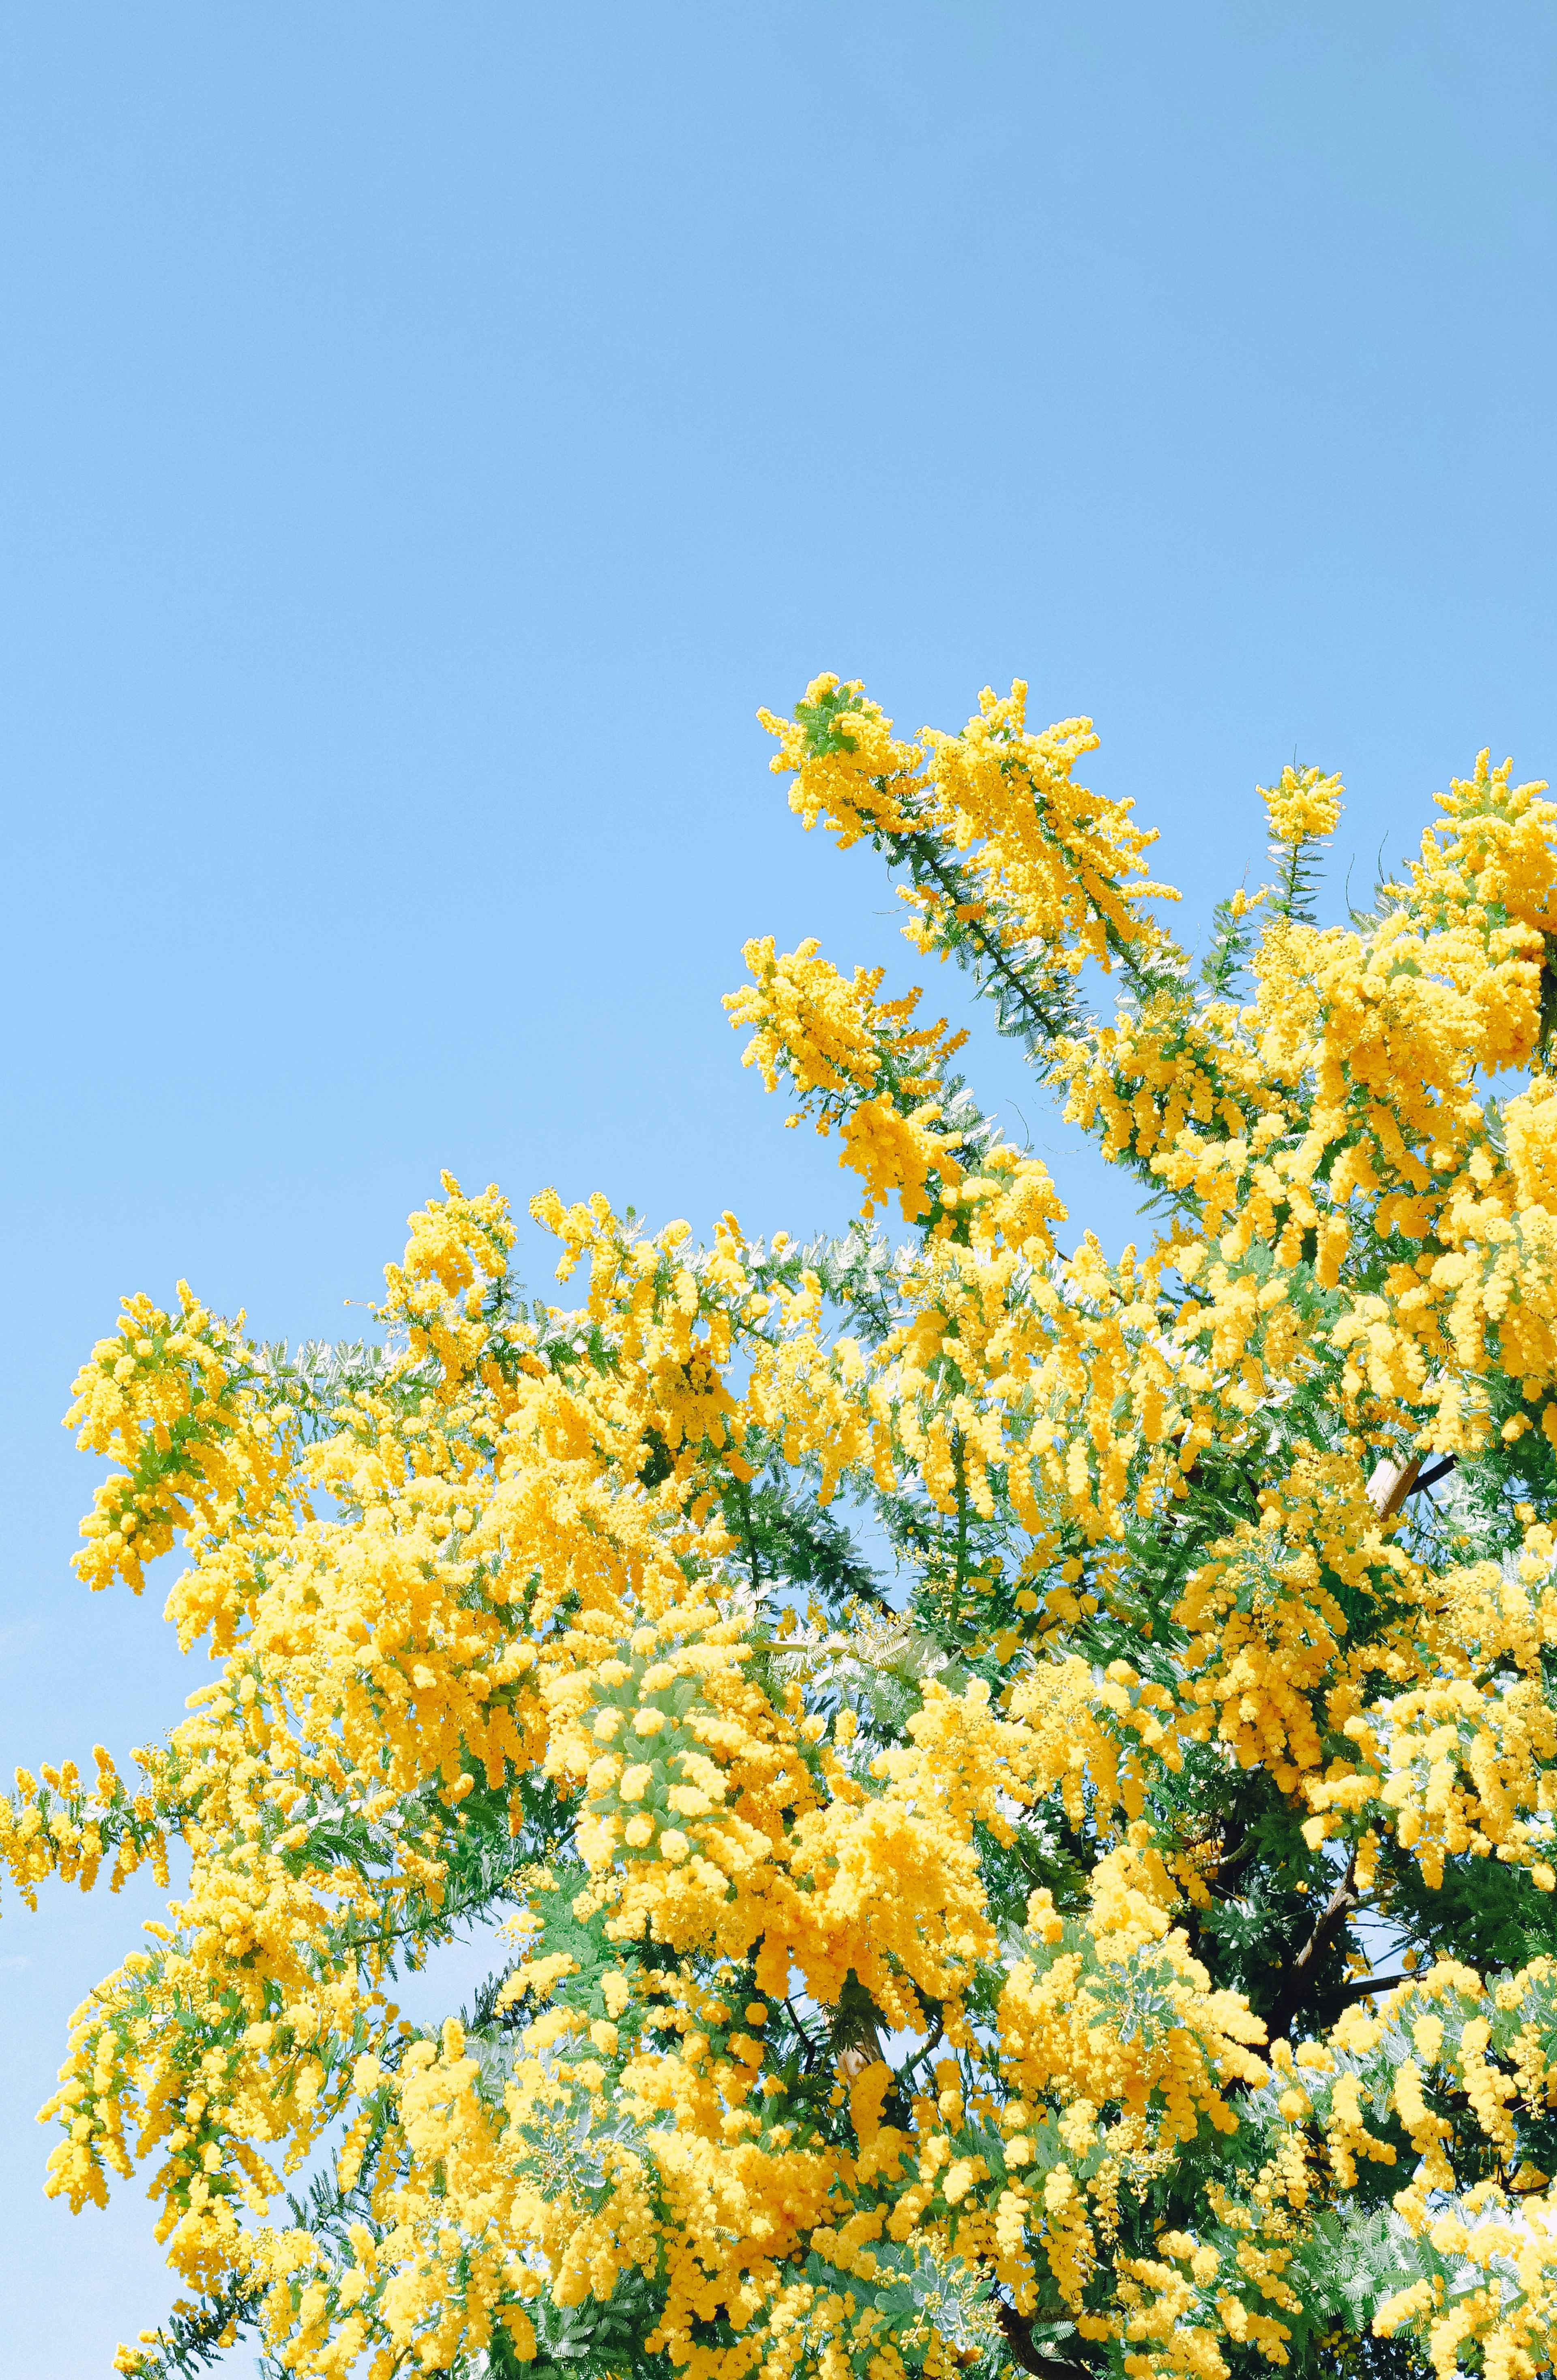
(1302, 806)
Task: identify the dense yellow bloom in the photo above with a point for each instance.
(836, 1040)
(1303, 806)
(895, 1972)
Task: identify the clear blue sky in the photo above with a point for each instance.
(427, 433)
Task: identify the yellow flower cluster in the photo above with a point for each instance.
(894, 1973)
(835, 1041)
(1302, 806)
(998, 833)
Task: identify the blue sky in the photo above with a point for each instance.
(428, 433)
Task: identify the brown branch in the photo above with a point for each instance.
(1339, 1907)
(1019, 2339)
(1362, 1987)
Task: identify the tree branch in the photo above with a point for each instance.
(1019, 2339)
(1342, 1901)
(1392, 1482)
(1362, 1987)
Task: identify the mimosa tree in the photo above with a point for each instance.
(1011, 1793)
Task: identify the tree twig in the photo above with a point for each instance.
(1362, 1987)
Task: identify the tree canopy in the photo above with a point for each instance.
(1011, 1791)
